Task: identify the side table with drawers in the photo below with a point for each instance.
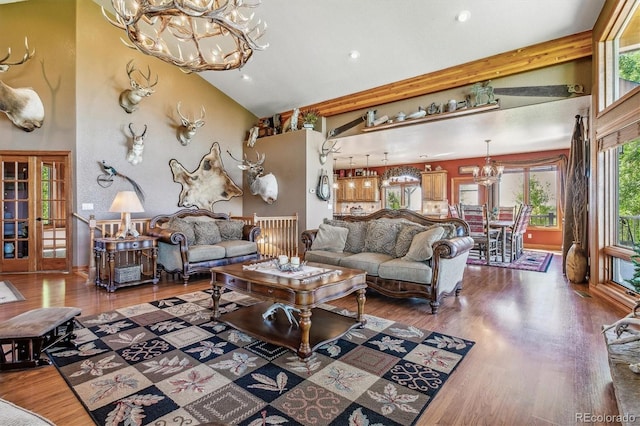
(123, 262)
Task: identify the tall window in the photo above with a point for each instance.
(537, 186)
(617, 130)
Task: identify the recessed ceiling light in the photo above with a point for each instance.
(245, 77)
(423, 156)
(463, 16)
(354, 54)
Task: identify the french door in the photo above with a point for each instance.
(36, 212)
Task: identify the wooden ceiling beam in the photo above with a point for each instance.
(565, 49)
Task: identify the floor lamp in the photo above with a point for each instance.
(126, 202)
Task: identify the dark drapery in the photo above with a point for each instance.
(576, 193)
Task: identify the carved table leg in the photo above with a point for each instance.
(216, 302)
(305, 325)
(361, 298)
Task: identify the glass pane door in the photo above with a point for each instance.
(15, 220)
(52, 214)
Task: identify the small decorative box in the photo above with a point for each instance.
(125, 274)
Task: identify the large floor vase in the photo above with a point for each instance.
(576, 263)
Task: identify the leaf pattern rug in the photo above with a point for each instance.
(166, 363)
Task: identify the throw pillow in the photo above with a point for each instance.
(230, 229)
(330, 238)
(207, 232)
(381, 237)
(405, 237)
(356, 236)
(421, 247)
(186, 227)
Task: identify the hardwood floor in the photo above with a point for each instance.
(539, 356)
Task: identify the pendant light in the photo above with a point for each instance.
(367, 182)
(385, 178)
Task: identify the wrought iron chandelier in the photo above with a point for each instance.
(195, 35)
(488, 174)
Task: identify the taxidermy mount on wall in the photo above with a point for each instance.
(134, 156)
(130, 98)
(188, 128)
(206, 185)
(22, 105)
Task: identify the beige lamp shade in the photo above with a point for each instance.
(126, 202)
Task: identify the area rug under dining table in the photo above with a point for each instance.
(165, 362)
(537, 261)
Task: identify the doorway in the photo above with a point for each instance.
(36, 211)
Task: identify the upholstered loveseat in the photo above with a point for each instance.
(193, 241)
(404, 253)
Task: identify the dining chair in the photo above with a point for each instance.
(454, 211)
(507, 213)
(515, 238)
(486, 240)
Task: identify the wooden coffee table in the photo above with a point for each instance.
(303, 294)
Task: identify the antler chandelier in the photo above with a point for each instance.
(488, 174)
(195, 35)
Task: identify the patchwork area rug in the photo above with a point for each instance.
(8, 293)
(537, 261)
(166, 363)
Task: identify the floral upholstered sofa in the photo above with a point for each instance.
(192, 241)
(405, 254)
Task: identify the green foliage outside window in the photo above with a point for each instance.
(629, 179)
(629, 66)
(392, 200)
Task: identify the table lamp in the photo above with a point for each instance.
(126, 202)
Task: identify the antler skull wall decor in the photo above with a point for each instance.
(22, 105)
(188, 128)
(134, 156)
(130, 98)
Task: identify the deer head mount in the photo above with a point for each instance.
(130, 98)
(266, 186)
(23, 106)
(134, 156)
(325, 151)
(188, 128)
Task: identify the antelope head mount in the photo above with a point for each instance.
(134, 156)
(23, 106)
(187, 130)
(130, 98)
(266, 186)
(326, 150)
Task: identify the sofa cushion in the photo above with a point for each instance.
(381, 237)
(356, 235)
(421, 247)
(184, 226)
(326, 257)
(230, 229)
(199, 253)
(238, 247)
(368, 262)
(330, 238)
(405, 237)
(400, 269)
(207, 232)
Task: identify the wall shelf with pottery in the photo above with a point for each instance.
(434, 117)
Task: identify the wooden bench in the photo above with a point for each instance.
(25, 337)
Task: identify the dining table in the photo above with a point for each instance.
(503, 226)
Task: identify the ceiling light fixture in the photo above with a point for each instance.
(367, 182)
(488, 174)
(195, 35)
(385, 181)
(463, 16)
(351, 184)
(354, 54)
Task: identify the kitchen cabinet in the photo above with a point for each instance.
(354, 189)
(434, 185)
